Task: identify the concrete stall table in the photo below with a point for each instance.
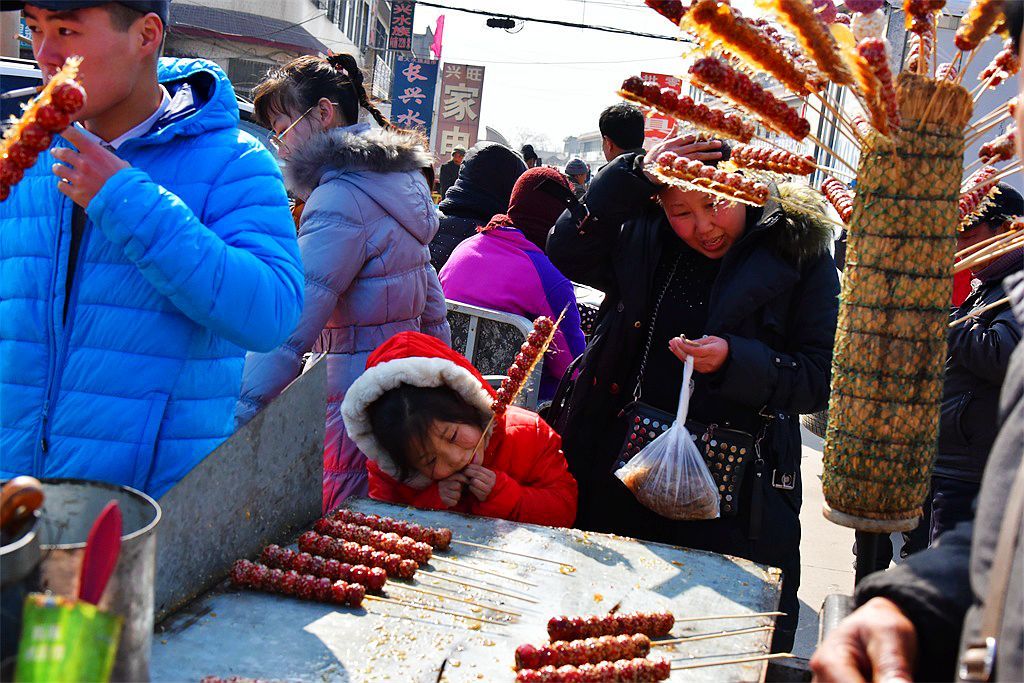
(230, 632)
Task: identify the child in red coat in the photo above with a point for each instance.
(418, 413)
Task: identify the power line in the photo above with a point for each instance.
(556, 22)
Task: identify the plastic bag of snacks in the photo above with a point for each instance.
(669, 475)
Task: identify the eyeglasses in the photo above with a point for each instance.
(277, 139)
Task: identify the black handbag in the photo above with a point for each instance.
(727, 452)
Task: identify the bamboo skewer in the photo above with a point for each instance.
(512, 552)
(982, 87)
(481, 605)
(839, 117)
(507, 577)
(735, 660)
(445, 576)
(791, 205)
(963, 70)
(995, 112)
(969, 169)
(1003, 173)
(967, 251)
(935, 95)
(978, 311)
(831, 151)
(969, 140)
(685, 620)
(390, 601)
(711, 636)
(988, 255)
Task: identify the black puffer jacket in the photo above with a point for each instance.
(775, 300)
(942, 589)
(483, 188)
(979, 353)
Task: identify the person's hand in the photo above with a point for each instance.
(687, 146)
(450, 489)
(875, 643)
(481, 481)
(84, 172)
(709, 353)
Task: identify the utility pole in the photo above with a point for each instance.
(10, 22)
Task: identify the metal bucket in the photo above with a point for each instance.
(70, 509)
(19, 576)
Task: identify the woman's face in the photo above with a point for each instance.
(292, 128)
(449, 448)
(705, 223)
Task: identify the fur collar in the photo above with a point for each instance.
(377, 151)
(800, 231)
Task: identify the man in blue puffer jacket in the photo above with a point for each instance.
(136, 271)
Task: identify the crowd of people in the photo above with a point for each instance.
(160, 283)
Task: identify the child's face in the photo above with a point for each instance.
(114, 61)
(448, 450)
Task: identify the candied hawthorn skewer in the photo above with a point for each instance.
(49, 113)
(919, 52)
(651, 624)
(530, 353)
(260, 577)
(840, 196)
(356, 553)
(587, 651)
(387, 541)
(777, 160)
(872, 51)
(698, 176)
(717, 21)
(1000, 149)
(673, 10)
(918, 13)
(276, 557)
(683, 108)
(440, 538)
(815, 37)
(981, 20)
(1006, 63)
(638, 670)
(722, 79)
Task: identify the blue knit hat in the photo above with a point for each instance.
(577, 167)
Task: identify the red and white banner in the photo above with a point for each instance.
(658, 125)
(458, 114)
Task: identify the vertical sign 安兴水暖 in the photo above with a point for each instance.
(412, 94)
(400, 34)
(658, 126)
(458, 121)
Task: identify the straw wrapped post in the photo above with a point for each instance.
(890, 345)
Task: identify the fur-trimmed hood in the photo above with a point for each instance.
(416, 359)
(799, 230)
(350, 150)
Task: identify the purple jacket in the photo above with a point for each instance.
(363, 236)
(502, 270)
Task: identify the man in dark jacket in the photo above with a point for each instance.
(450, 171)
(979, 353)
(481, 191)
(622, 130)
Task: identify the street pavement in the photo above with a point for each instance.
(826, 551)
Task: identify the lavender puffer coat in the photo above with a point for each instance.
(363, 236)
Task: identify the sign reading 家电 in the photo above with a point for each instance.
(400, 35)
(458, 121)
(658, 126)
(412, 94)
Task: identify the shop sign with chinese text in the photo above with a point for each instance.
(412, 94)
(458, 121)
(658, 126)
(400, 35)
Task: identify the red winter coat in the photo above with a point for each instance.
(533, 483)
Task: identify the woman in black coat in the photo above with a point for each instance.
(758, 290)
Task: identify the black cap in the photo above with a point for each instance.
(1006, 204)
(162, 8)
(528, 152)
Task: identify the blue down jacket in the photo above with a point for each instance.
(363, 235)
(187, 259)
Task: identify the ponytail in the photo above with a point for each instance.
(346, 65)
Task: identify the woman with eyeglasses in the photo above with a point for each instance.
(504, 268)
(751, 293)
(363, 234)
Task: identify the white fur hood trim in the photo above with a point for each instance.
(418, 371)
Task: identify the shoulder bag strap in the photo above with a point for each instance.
(979, 658)
(650, 330)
